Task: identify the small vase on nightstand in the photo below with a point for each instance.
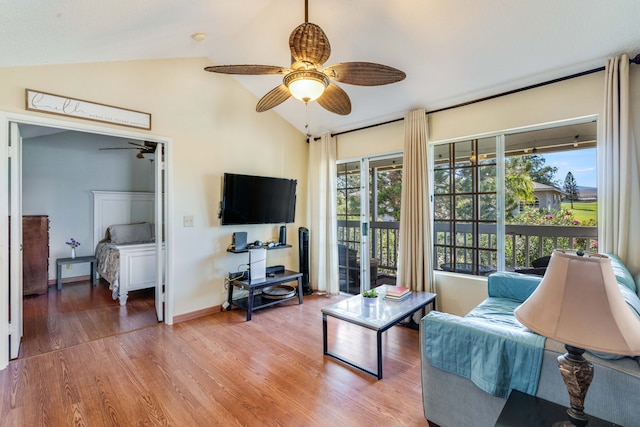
(73, 253)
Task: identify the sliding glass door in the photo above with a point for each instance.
(368, 204)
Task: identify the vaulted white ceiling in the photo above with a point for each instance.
(452, 51)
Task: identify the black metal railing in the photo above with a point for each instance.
(523, 245)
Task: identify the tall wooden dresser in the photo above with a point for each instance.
(35, 254)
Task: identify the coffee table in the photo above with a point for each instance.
(379, 318)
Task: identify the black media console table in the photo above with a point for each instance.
(253, 301)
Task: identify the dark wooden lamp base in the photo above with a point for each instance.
(577, 373)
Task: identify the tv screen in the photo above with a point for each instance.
(248, 199)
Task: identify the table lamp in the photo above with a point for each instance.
(579, 304)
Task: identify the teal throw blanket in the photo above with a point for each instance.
(488, 346)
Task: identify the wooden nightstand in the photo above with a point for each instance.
(523, 410)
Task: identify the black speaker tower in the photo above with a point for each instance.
(303, 245)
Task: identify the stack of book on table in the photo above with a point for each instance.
(397, 293)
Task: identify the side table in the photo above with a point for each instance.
(77, 260)
(253, 302)
(523, 410)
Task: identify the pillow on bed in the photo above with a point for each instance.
(130, 233)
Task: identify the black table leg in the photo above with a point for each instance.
(230, 297)
(324, 334)
(249, 304)
(300, 290)
(379, 339)
(94, 278)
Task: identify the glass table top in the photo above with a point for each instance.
(384, 313)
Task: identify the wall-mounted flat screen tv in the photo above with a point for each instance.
(249, 199)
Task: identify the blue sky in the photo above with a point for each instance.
(581, 163)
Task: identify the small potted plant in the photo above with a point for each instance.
(370, 297)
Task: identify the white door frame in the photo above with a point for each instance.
(5, 119)
(15, 241)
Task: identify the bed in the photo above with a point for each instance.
(125, 248)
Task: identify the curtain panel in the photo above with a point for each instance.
(618, 162)
(323, 232)
(415, 266)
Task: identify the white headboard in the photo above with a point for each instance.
(120, 207)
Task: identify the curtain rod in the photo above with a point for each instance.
(635, 60)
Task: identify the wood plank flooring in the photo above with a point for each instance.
(79, 313)
(220, 370)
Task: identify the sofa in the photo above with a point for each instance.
(470, 364)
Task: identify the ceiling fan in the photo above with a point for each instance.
(307, 79)
(149, 147)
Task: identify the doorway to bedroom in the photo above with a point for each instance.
(58, 169)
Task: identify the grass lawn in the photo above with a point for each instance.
(583, 211)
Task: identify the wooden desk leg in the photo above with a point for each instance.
(59, 277)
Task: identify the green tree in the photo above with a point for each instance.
(571, 188)
(542, 173)
(518, 183)
(389, 194)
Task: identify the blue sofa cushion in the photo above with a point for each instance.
(622, 274)
(514, 286)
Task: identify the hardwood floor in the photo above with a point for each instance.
(221, 370)
(79, 313)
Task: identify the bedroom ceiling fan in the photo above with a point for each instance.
(149, 147)
(307, 79)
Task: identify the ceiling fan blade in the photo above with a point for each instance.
(247, 69)
(149, 146)
(138, 145)
(274, 98)
(335, 100)
(364, 73)
(310, 44)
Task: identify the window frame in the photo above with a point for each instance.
(500, 136)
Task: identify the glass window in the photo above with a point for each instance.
(549, 199)
(465, 211)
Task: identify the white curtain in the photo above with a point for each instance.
(618, 163)
(323, 231)
(415, 268)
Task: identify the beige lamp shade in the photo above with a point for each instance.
(578, 303)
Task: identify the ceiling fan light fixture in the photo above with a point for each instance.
(306, 85)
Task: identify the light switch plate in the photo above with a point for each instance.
(187, 220)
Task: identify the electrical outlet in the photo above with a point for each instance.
(68, 266)
(187, 221)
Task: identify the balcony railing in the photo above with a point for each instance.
(383, 240)
(523, 243)
(526, 243)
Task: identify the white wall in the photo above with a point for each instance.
(573, 98)
(213, 127)
(59, 172)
